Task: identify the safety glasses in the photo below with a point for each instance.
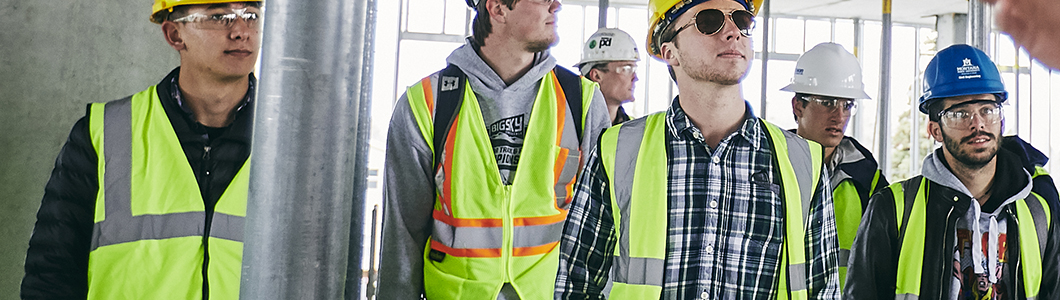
(221, 20)
(711, 21)
(625, 70)
(847, 106)
(961, 116)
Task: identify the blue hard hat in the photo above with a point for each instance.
(960, 70)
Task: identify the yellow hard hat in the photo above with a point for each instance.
(663, 12)
(168, 5)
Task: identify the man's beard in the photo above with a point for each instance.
(709, 74)
(964, 156)
(539, 46)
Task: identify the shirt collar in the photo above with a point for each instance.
(681, 128)
(174, 88)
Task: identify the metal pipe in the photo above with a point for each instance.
(858, 43)
(979, 28)
(360, 160)
(765, 54)
(885, 89)
(301, 190)
(604, 4)
(914, 114)
(372, 272)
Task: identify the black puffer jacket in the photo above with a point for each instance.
(57, 259)
(874, 257)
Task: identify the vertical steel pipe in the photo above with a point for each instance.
(914, 113)
(978, 26)
(885, 89)
(360, 154)
(604, 4)
(858, 44)
(302, 179)
(765, 54)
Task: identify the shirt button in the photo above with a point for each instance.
(697, 135)
(704, 295)
(713, 204)
(710, 250)
(715, 159)
(207, 173)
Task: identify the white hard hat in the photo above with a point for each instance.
(607, 44)
(828, 70)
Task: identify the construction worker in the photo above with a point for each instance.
(148, 195)
(703, 200)
(981, 220)
(610, 59)
(481, 159)
(827, 84)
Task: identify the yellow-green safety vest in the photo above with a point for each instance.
(847, 202)
(487, 233)
(634, 158)
(148, 238)
(912, 208)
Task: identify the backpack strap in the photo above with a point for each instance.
(572, 89)
(451, 83)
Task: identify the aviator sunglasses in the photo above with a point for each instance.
(711, 21)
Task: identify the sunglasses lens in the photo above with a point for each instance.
(710, 21)
(744, 20)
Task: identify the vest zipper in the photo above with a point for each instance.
(205, 186)
(509, 234)
(1015, 271)
(944, 274)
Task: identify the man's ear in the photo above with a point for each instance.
(172, 35)
(498, 12)
(796, 108)
(668, 51)
(594, 75)
(934, 129)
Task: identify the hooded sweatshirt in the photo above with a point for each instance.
(409, 188)
(979, 253)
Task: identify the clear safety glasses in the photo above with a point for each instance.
(961, 116)
(625, 70)
(711, 21)
(221, 20)
(847, 106)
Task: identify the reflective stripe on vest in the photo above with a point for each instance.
(911, 216)
(634, 158)
(485, 232)
(149, 209)
(847, 203)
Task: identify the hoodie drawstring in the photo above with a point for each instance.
(984, 264)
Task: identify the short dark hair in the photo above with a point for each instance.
(481, 26)
(934, 109)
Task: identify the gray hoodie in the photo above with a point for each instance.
(977, 222)
(409, 188)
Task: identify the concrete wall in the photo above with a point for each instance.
(56, 56)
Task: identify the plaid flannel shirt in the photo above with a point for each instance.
(725, 222)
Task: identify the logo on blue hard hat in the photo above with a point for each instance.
(968, 70)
